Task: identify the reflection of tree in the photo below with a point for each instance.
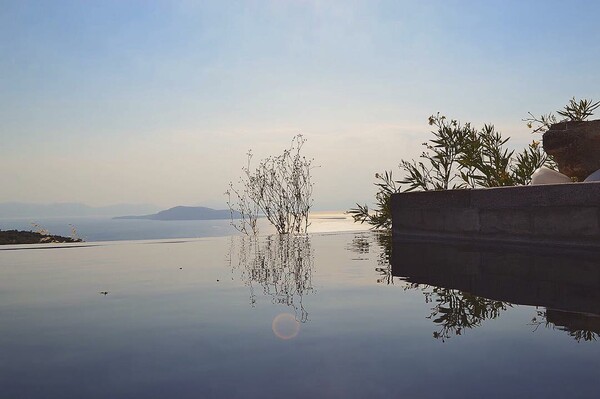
(580, 327)
(280, 265)
(454, 310)
(381, 244)
(585, 335)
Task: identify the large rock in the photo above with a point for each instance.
(575, 147)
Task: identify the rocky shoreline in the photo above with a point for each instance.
(8, 237)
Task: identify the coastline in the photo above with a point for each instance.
(11, 237)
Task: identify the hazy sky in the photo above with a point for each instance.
(157, 102)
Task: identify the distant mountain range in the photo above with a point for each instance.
(27, 210)
(186, 213)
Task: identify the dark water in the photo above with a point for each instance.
(322, 316)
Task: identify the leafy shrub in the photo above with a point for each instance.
(574, 111)
(460, 156)
(280, 188)
(457, 157)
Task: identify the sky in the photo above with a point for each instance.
(106, 102)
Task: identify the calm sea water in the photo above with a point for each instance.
(107, 229)
(347, 315)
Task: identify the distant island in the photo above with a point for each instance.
(187, 213)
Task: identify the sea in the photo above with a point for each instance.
(92, 229)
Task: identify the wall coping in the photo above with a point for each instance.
(565, 194)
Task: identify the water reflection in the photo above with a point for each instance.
(280, 267)
(454, 311)
(580, 326)
(468, 284)
(379, 243)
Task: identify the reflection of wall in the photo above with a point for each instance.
(568, 281)
(573, 321)
(559, 213)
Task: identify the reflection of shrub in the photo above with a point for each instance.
(580, 326)
(453, 311)
(379, 243)
(280, 188)
(281, 265)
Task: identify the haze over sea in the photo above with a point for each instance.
(107, 229)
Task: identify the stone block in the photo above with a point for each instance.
(569, 222)
(560, 214)
(566, 194)
(575, 146)
(432, 199)
(506, 221)
(461, 220)
(433, 219)
(407, 218)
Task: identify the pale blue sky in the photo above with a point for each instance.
(157, 102)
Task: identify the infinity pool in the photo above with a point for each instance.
(329, 315)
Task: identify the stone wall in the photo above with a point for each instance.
(558, 214)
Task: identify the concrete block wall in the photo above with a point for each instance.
(564, 214)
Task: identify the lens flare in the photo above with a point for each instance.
(285, 326)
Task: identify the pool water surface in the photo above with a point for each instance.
(349, 315)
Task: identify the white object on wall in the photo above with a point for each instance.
(544, 175)
(593, 177)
